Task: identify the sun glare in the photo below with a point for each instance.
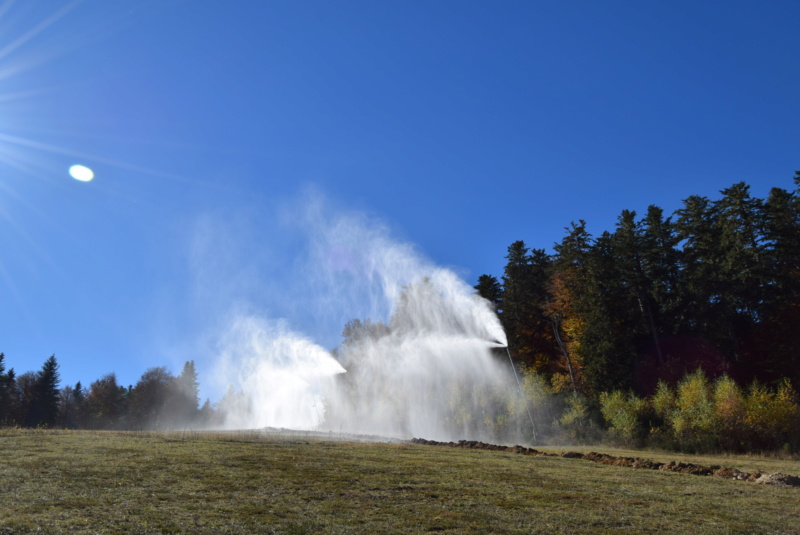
(81, 173)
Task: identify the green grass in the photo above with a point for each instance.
(106, 482)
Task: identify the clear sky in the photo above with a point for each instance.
(459, 126)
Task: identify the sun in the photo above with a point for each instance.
(81, 173)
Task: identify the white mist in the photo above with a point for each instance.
(418, 362)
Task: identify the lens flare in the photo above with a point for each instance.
(81, 173)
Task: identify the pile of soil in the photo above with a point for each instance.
(783, 480)
(477, 445)
(631, 462)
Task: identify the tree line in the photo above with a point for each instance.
(159, 400)
(714, 286)
(677, 330)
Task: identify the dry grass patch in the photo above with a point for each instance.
(105, 482)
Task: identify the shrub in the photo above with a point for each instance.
(699, 416)
(729, 414)
(539, 399)
(663, 401)
(625, 416)
(773, 419)
(576, 422)
(787, 410)
(789, 416)
(692, 420)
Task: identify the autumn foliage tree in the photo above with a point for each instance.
(106, 404)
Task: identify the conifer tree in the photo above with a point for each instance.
(47, 392)
(11, 405)
(4, 391)
(636, 285)
(772, 351)
(609, 344)
(187, 394)
(525, 293)
(490, 289)
(26, 396)
(743, 271)
(661, 259)
(44, 403)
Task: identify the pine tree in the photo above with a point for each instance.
(187, 395)
(490, 289)
(26, 399)
(44, 404)
(49, 379)
(525, 293)
(698, 229)
(742, 228)
(11, 405)
(636, 285)
(782, 244)
(5, 394)
(7, 387)
(661, 259)
(772, 351)
(609, 343)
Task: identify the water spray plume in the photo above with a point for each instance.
(428, 372)
(279, 376)
(522, 394)
(419, 355)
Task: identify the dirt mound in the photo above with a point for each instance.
(779, 479)
(689, 468)
(631, 462)
(732, 473)
(477, 445)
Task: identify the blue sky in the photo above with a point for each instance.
(459, 126)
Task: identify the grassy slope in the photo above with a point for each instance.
(103, 482)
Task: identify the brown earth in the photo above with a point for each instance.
(631, 462)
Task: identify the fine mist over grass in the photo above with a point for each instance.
(419, 355)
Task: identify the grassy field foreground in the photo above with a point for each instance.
(106, 482)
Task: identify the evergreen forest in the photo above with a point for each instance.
(703, 303)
